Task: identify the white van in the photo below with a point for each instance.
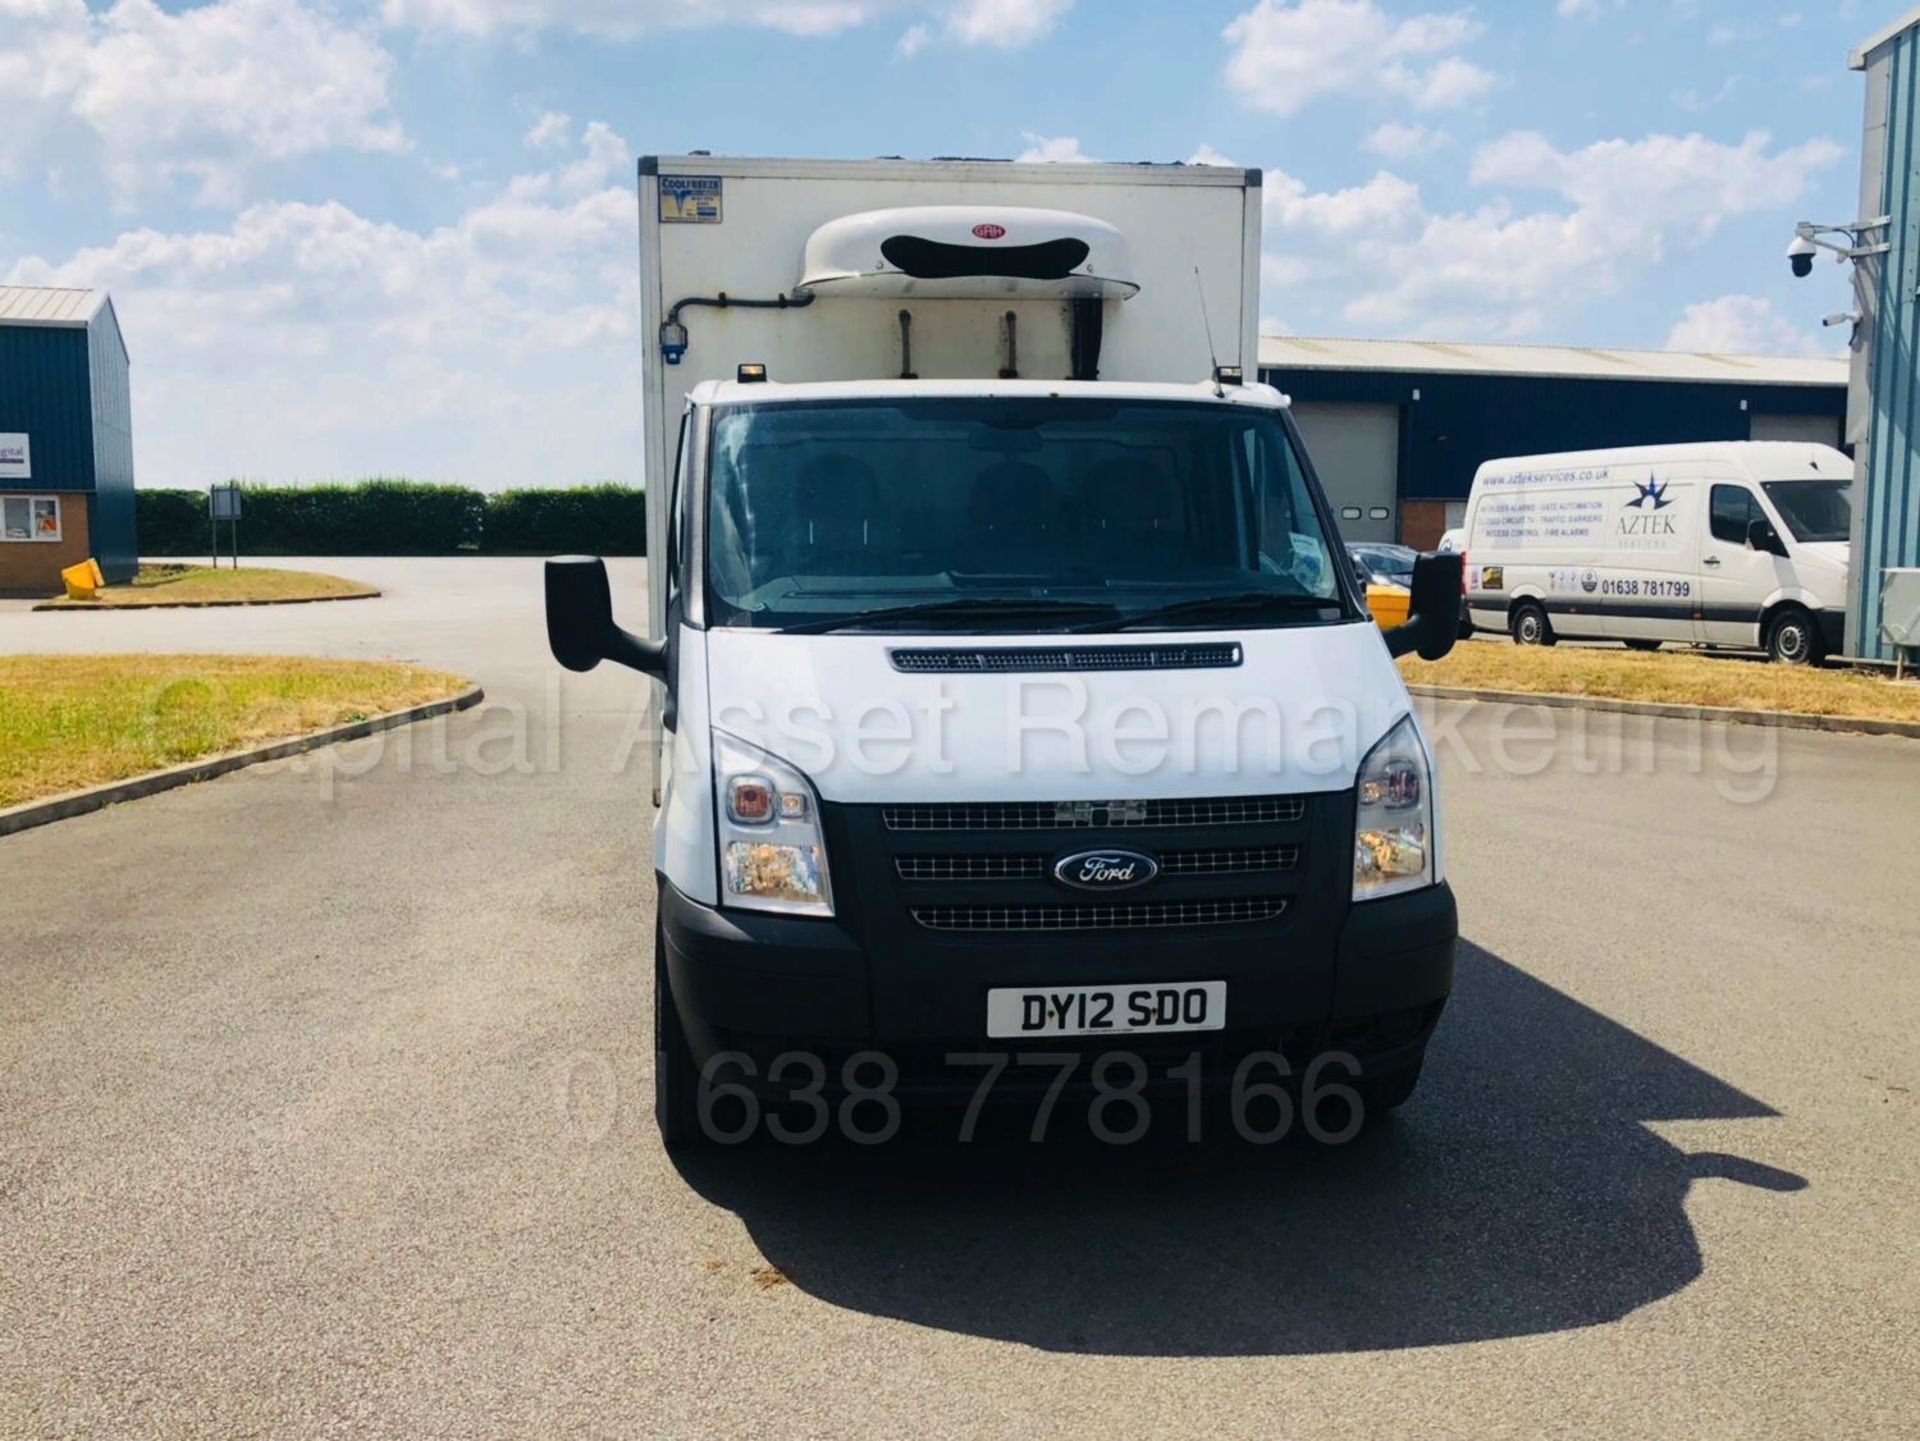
(1012, 697)
(1735, 543)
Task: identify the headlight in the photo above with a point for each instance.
(1393, 820)
(772, 854)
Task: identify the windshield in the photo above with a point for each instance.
(940, 511)
(1812, 509)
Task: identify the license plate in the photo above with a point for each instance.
(1106, 1010)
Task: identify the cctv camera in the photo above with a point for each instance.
(1800, 256)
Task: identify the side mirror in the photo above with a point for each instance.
(580, 627)
(1433, 622)
(1763, 537)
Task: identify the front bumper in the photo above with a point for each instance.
(1370, 982)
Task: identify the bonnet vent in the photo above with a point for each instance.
(1032, 660)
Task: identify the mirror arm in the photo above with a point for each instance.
(1404, 637)
(1414, 634)
(623, 647)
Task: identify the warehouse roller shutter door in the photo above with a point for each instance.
(1356, 451)
(1817, 429)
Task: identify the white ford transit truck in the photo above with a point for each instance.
(1011, 693)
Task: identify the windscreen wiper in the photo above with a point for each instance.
(1236, 606)
(968, 607)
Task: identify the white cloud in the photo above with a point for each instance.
(603, 162)
(1740, 325)
(1003, 24)
(550, 131)
(1497, 269)
(1403, 142)
(1289, 53)
(1207, 155)
(1568, 9)
(1385, 203)
(498, 348)
(202, 94)
(1286, 272)
(1451, 83)
(1661, 183)
(1064, 149)
(628, 18)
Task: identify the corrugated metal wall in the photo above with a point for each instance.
(115, 535)
(44, 391)
(1886, 525)
(1461, 421)
(67, 388)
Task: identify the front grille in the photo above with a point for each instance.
(1241, 860)
(970, 868)
(1038, 659)
(1093, 815)
(1135, 915)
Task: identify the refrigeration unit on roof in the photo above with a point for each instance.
(968, 252)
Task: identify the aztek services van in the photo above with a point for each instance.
(1739, 543)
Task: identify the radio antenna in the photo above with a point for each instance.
(1213, 356)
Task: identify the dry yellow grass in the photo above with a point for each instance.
(77, 721)
(1669, 678)
(201, 585)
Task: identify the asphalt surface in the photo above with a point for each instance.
(325, 1106)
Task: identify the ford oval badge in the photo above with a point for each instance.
(1108, 870)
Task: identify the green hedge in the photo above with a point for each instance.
(172, 522)
(402, 517)
(595, 519)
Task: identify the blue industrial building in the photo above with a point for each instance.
(1885, 409)
(66, 438)
(1397, 428)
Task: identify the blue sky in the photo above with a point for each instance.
(397, 236)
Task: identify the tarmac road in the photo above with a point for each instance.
(325, 1107)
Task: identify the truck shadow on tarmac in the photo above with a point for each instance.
(1518, 1193)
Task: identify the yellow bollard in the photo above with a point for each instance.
(84, 580)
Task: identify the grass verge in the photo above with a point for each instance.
(201, 585)
(1669, 678)
(83, 720)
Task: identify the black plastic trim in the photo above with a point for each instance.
(1033, 660)
(1833, 629)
